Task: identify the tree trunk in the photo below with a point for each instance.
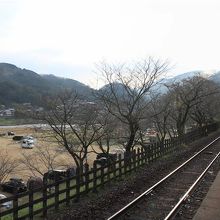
(130, 141)
(180, 129)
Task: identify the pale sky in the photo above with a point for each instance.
(68, 37)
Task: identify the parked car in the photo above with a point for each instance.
(118, 151)
(6, 205)
(54, 175)
(30, 139)
(2, 134)
(11, 133)
(101, 161)
(71, 171)
(27, 144)
(109, 156)
(14, 185)
(17, 137)
(34, 183)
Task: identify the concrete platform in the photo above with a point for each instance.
(210, 207)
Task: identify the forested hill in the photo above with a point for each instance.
(21, 85)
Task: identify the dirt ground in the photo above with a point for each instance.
(15, 150)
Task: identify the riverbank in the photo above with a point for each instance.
(16, 121)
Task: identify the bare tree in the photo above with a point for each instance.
(160, 112)
(74, 124)
(126, 94)
(110, 134)
(185, 95)
(42, 159)
(208, 108)
(8, 165)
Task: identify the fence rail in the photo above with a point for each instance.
(39, 201)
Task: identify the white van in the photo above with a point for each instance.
(27, 144)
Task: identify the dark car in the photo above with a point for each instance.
(109, 156)
(14, 185)
(54, 176)
(17, 138)
(101, 161)
(34, 183)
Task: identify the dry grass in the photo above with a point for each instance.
(15, 150)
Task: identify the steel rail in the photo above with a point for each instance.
(173, 212)
(145, 193)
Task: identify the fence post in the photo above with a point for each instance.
(139, 157)
(175, 142)
(114, 168)
(142, 156)
(125, 162)
(150, 153)
(169, 142)
(77, 184)
(94, 178)
(102, 175)
(130, 161)
(161, 148)
(56, 195)
(31, 196)
(158, 149)
(44, 201)
(108, 172)
(166, 146)
(15, 207)
(86, 177)
(120, 166)
(155, 151)
(68, 189)
(134, 156)
(146, 154)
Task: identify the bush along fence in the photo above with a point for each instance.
(39, 201)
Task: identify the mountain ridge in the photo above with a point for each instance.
(21, 85)
(213, 75)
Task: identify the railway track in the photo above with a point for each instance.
(164, 199)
